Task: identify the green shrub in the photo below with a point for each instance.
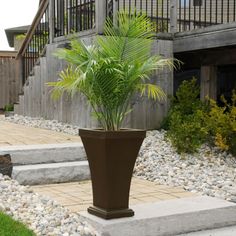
(186, 102)
(187, 133)
(191, 122)
(221, 123)
(185, 120)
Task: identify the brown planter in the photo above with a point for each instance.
(111, 156)
(6, 165)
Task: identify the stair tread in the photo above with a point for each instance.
(40, 146)
(51, 165)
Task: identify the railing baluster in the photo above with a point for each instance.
(157, 16)
(146, 7)
(194, 16)
(228, 12)
(189, 14)
(200, 15)
(151, 11)
(234, 10)
(222, 11)
(205, 12)
(162, 15)
(167, 15)
(210, 12)
(80, 15)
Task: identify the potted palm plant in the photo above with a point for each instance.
(109, 73)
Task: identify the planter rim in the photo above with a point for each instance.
(123, 133)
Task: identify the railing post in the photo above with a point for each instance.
(100, 8)
(20, 72)
(173, 16)
(115, 10)
(51, 20)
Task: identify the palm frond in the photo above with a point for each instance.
(111, 71)
(152, 91)
(130, 39)
(70, 81)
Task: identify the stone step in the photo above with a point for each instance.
(45, 153)
(170, 217)
(51, 173)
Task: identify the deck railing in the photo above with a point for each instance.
(36, 39)
(73, 16)
(193, 14)
(56, 18)
(157, 10)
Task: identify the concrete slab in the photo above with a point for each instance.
(45, 153)
(171, 217)
(51, 173)
(227, 231)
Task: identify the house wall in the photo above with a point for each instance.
(37, 101)
(9, 84)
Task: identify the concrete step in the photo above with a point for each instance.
(45, 153)
(171, 217)
(51, 173)
(227, 231)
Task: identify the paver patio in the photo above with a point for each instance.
(77, 196)
(15, 134)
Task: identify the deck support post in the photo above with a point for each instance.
(51, 21)
(100, 15)
(173, 16)
(209, 82)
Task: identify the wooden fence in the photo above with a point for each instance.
(9, 82)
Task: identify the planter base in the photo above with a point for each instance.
(110, 214)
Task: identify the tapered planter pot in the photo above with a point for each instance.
(111, 156)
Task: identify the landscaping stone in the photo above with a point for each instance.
(6, 165)
(209, 172)
(41, 214)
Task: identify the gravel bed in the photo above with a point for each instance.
(41, 214)
(209, 172)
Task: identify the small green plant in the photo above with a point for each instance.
(21, 36)
(221, 123)
(9, 107)
(10, 227)
(118, 66)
